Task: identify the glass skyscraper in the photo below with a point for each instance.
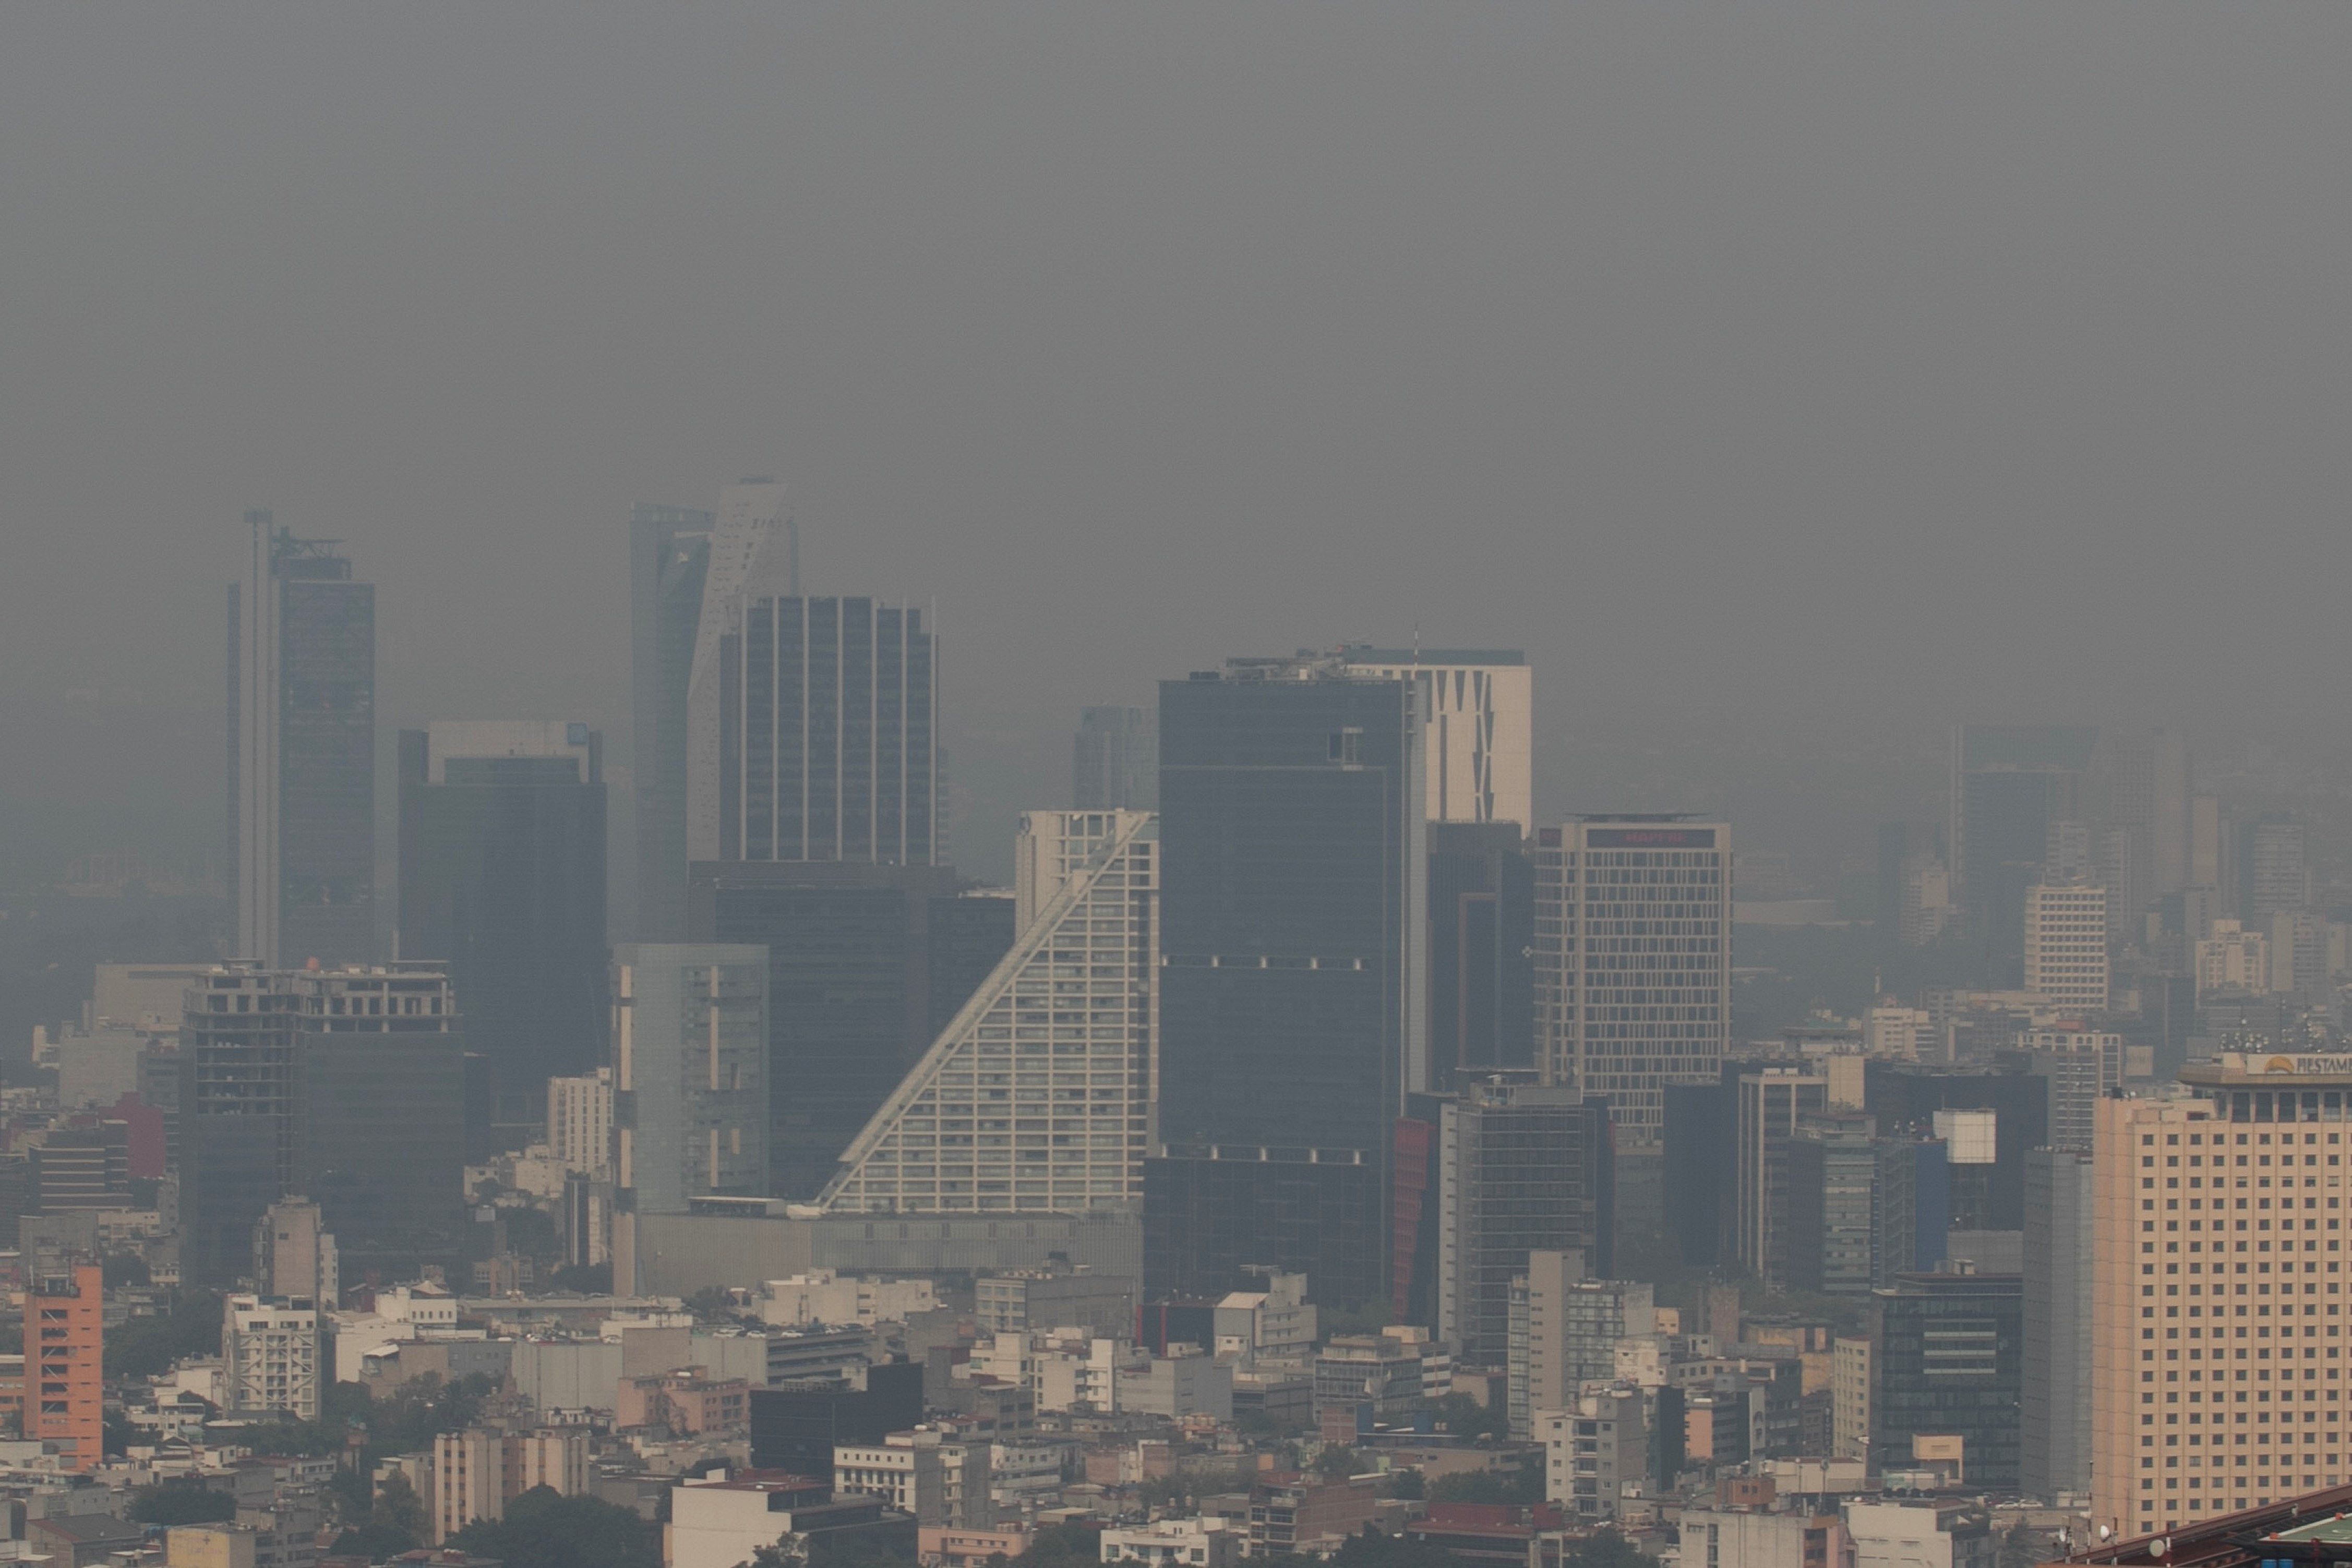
(828, 750)
(669, 557)
(502, 876)
(301, 752)
(1294, 867)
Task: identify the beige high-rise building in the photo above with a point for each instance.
(2217, 1379)
(1477, 712)
(2066, 945)
(2233, 959)
(1849, 1397)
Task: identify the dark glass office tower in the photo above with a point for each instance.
(1948, 1359)
(238, 1138)
(1481, 934)
(1522, 1168)
(669, 557)
(866, 963)
(343, 1085)
(826, 748)
(301, 752)
(1115, 761)
(1293, 914)
(502, 876)
(381, 1104)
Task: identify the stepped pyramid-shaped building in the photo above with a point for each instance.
(1039, 1094)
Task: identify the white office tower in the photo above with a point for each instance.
(1633, 962)
(1039, 1094)
(1478, 711)
(746, 555)
(270, 1354)
(2066, 945)
(580, 1122)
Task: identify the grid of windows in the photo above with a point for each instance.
(828, 752)
(1038, 1095)
(1632, 961)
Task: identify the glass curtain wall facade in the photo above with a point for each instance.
(828, 752)
(669, 557)
(301, 752)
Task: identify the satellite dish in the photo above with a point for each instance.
(2159, 1546)
(2106, 1533)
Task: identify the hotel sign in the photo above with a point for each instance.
(1649, 838)
(2300, 1065)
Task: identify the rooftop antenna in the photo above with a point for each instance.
(792, 553)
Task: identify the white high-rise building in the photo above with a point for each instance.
(2066, 945)
(269, 1352)
(1633, 962)
(1478, 711)
(1039, 1094)
(580, 1122)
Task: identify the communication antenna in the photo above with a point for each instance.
(792, 553)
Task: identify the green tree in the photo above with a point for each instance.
(588, 1278)
(399, 1510)
(1464, 1417)
(542, 1530)
(181, 1503)
(375, 1542)
(713, 1305)
(1337, 1462)
(144, 1347)
(1407, 1484)
(1061, 1546)
(1518, 1485)
(1609, 1550)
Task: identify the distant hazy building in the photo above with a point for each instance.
(1115, 761)
(669, 560)
(1522, 1168)
(2272, 876)
(2010, 783)
(502, 876)
(690, 1041)
(1293, 913)
(1067, 1021)
(2232, 959)
(301, 752)
(1633, 962)
(2066, 945)
(867, 964)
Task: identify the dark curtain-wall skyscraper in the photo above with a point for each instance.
(1294, 919)
(502, 876)
(301, 751)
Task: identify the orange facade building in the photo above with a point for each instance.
(65, 1353)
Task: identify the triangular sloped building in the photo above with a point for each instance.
(1038, 1095)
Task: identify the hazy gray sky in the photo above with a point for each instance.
(1790, 380)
